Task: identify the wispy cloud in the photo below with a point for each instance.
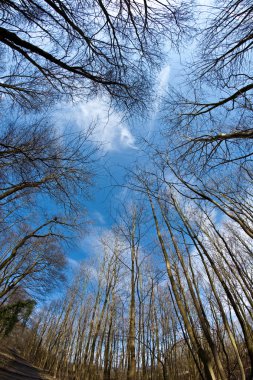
(109, 128)
(163, 80)
(72, 262)
(160, 89)
(98, 217)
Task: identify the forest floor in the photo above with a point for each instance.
(14, 367)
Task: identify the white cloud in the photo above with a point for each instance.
(109, 128)
(160, 89)
(98, 217)
(72, 262)
(163, 80)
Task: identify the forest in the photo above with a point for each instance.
(126, 188)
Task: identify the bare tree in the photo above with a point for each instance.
(209, 117)
(82, 48)
(39, 165)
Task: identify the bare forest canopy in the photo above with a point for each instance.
(168, 292)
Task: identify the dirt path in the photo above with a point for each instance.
(13, 367)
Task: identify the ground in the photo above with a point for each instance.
(14, 367)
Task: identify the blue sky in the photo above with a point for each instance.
(118, 139)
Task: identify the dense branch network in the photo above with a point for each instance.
(80, 48)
